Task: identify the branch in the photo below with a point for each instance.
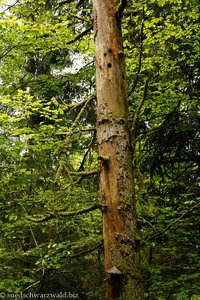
(91, 97)
(75, 124)
(60, 168)
(78, 130)
(77, 212)
(84, 173)
(73, 105)
(81, 167)
(9, 50)
(10, 6)
(138, 174)
(137, 113)
(71, 130)
(55, 214)
(64, 2)
(30, 286)
(140, 56)
(87, 251)
(61, 3)
(79, 18)
(80, 2)
(80, 35)
(173, 223)
(140, 181)
(120, 8)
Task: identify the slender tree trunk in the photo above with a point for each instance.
(124, 280)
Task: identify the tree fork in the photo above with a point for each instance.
(124, 279)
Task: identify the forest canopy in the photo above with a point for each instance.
(50, 208)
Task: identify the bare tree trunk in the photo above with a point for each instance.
(124, 279)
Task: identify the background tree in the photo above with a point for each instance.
(161, 39)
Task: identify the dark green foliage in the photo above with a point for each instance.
(163, 36)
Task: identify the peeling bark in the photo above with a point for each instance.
(116, 172)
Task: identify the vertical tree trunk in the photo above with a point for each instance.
(124, 280)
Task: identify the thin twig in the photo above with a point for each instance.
(74, 125)
(86, 251)
(140, 56)
(79, 36)
(30, 286)
(172, 224)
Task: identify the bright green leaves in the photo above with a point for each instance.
(41, 90)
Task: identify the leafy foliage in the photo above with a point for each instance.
(166, 134)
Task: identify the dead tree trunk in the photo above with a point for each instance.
(124, 280)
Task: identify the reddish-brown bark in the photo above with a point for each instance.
(115, 168)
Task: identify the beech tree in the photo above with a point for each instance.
(124, 280)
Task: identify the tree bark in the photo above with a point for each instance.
(123, 274)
